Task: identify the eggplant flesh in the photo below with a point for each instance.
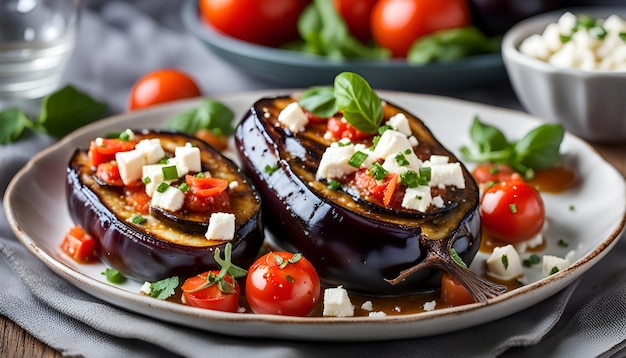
(158, 248)
(350, 242)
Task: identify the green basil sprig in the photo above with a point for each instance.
(351, 94)
(210, 114)
(538, 149)
(61, 112)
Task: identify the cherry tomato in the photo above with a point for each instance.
(264, 22)
(162, 86)
(104, 151)
(79, 245)
(206, 186)
(356, 14)
(512, 211)
(210, 297)
(453, 292)
(379, 190)
(396, 24)
(282, 283)
(203, 203)
(492, 173)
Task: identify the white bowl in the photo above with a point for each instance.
(590, 104)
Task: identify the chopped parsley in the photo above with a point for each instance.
(138, 219)
(532, 260)
(164, 288)
(563, 243)
(401, 160)
(505, 262)
(513, 208)
(554, 270)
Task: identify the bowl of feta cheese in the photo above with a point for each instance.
(569, 67)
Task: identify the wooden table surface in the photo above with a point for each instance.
(15, 342)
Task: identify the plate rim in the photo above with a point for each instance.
(110, 293)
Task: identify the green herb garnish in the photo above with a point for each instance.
(457, 258)
(271, 169)
(357, 159)
(114, 276)
(138, 219)
(377, 171)
(211, 115)
(361, 106)
(164, 288)
(169, 172)
(505, 261)
(532, 260)
(162, 188)
(333, 184)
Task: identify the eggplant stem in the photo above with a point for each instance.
(438, 256)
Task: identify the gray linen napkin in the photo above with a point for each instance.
(118, 43)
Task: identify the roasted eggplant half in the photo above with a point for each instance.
(366, 246)
(164, 242)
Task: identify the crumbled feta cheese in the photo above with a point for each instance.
(438, 201)
(337, 303)
(564, 44)
(401, 162)
(334, 162)
(400, 123)
(533, 242)
(233, 184)
(171, 199)
(367, 306)
(146, 288)
(390, 142)
(152, 149)
(293, 117)
(130, 164)
(442, 175)
(152, 176)
(430, 306)
(189, 157)
(504, 263)
(438, 159)
(418, 198)
(377, 314)
(221, 227)
(552, 264)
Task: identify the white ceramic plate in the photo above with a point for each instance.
(35, 206)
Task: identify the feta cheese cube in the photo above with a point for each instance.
(438, 159)
(367, 306)
(152, 149)
(189, 157)
(400, 123)
(553, 264)
(152, 176)
(293, 117)
(130, 165)
(418, 198)
(171, 199)
(430, 305)
(334, 162)
(504, 263)
(534, 46)
(377, 314)
(401, 162)
(337, 303)
(438, 201)
(390, 142)
(221, 227)
(442, 175)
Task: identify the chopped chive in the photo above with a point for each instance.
(333, 184)
(563, 243)
(184, 187)
(138, 219)
(401, 160)
(513, 208)
(114, 276)
(270, 169)
(200, 175)
(164, 160)
(505, 262)
(378, 172)
(383, 128)
(126, 135)
(408, 151)
(532, 260)
(554, 270)
(409, 178)
(425, 173)
(622, 35)
(162, 187)
(457, 258)
(146, 180)
(170, 172)
(357, 159)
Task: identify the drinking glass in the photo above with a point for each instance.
(36, 40)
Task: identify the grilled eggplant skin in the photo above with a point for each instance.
(349, 242)
(165, 250)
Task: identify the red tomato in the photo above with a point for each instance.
(206, 186)
(379, 190)
(356, 14)
(264, 22)
(203, 203)
(493, 173)
(136, 197)
(512, 211)
(453, 292)
(282, 283)
(79, 245)
(162, 86)
(339, 128)
(109, 173)
(105, 151)
(396, 24)
(210, 297)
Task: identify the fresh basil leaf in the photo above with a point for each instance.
(540, 148)
(210, 114)
(451, 45)
(13, 121)
(361, 106)
(489, 138)
(68, 109)
(320, 101)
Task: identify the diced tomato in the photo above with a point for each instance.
(206, 186)
(210, 297)
(453, 292)
(313, 118)
(378, 190)
(105, 151)
(79, 245)
(109, 173)
(136, 197)
(339, 128)
(203, 203)
(493, 173)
